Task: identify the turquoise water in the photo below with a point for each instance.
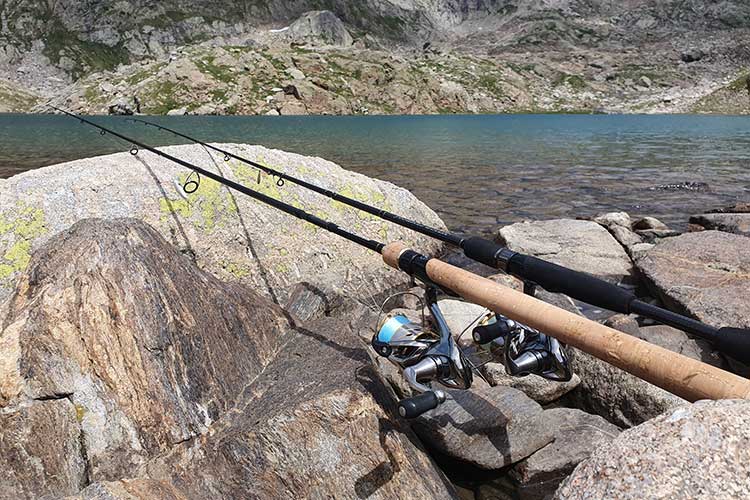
(477, 172)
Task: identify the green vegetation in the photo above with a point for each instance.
(220, 72)
(163, 96)
(576, 82)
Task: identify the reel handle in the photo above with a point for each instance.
(485, 334)
(417, 405)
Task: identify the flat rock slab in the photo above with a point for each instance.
(695, 451)
(704, 274)
(539, 389)
(581, 245)
(737, 223)
(489, 427)
(577, 435)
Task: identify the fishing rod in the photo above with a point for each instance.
(440, 360)
(552, 277)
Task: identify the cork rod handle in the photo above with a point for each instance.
(685, 377)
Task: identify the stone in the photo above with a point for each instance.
(460, 315)
(694, 451)
(121, 107)
(678, 341)
(620, 397)
(737, 223)
(704, 274)
(625, 237)
(645, 81)
(737, 208)
(613, 219)
(488, 427)
(321, 26)
(42, 448)
(539, 389)
(692, 55)
(177, 112)
(230, 235)
(295, 73)
(168, 383)
(292, 107)
(577, 435)
(272, 112)
(580, 245)
(649, 223)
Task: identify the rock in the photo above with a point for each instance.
(704, 274)
(649, 223)
(272, 112)
(639, 249)
(42, 448)
(581, 245)
(106, 87)
(230, 235)
(679, 342)
(171, 384)
(295, 73)
(489, 427)
(625, 237)
(539, 389)
(577, 435)
(75, 330)
(459, 315)
(613, 219)
(177, 112)
(695, 451)
(292, 107)
(121, 107)
(615, 394)
(692, 55)
(737, 208)
(320, 25)
(737, 223)
(645, 81)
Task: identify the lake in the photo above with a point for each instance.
(477, 172)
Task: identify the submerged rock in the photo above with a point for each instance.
(581, 245)
(229, 235)
(142, 374)
(695, 451)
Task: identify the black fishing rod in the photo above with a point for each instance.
(442, 361)
(284, 207)
(550, 276)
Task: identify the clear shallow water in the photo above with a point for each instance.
(477, 172)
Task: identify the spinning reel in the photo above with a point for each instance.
(426, 354)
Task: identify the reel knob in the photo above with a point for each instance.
(417, 405)
(485, 334)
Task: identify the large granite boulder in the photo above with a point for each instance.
(695, 451)
(124, 365)
(704, 274)
(578, 244)
(228, 234)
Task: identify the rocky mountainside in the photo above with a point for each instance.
(440, 55)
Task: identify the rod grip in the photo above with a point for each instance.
(735, 343)
(575, 284)
(688, 378)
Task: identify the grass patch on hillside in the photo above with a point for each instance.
(576, 82)
(220, 72)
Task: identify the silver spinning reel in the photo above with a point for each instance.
(424, 356)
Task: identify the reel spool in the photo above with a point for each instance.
(402, 341)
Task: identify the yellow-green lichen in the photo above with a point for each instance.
(80, 412)
(211, 201)
(235, 269)
(22, 225)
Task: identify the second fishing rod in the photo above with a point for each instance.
(550, 276)
(688, 378)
